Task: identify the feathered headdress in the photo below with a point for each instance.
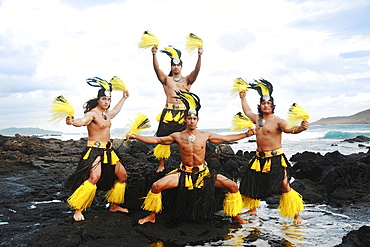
(148, 40)
(241, 121)
(193, 42)
(174, 54)
(191, 101)
(61, 108)
(296, 114)
(239, 86)
(264, 89)
(106, 87)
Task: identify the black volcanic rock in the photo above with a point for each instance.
(33, 211)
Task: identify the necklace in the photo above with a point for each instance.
(177, 78)
(192, 138)
(261, 122)
(104, 116)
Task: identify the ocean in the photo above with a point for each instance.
(322, 226)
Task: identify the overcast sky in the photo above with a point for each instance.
(315, 53)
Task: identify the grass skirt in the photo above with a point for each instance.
(259, 185)
(196, 204)
(84, 167)
(166, 128)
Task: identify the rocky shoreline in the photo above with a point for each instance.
(33, 211)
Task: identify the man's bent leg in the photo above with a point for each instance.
(153, 200)
(152, 203)
(233, 203)
(116, 195)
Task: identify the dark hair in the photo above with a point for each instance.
(90, 104)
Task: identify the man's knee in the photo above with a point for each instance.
(155, 187)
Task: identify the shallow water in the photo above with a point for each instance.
(321, 227)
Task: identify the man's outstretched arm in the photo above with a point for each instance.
(165, 140)
(229, 138)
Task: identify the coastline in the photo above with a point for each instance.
(33, 171)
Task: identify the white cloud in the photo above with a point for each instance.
(50, 47)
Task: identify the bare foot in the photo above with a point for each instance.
(251, 211)
(297, 220)
(78, 216)
(150, 218)
(115, 208)
(238, 219)
(160, 168)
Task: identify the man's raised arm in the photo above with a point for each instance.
(160, 75)
(119, 105)
(246, 108)
(194, 74)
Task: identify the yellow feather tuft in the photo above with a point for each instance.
(117, 84)
(103, 83)
(239, 86)
(61, 108)
(193, 42)
(140, 123)
(263, 87)
(296, 114)
(148, 40)
(241, 121)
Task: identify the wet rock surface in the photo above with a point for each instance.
(33, 211)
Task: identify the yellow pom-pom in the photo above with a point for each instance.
(296, 114)
(117, 84)
(193, 42)
(148, 40)
(241, 121)
(140, 123)
(239, 86)
(61, 108)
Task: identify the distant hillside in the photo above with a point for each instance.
(358, 118)
(28, 132)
